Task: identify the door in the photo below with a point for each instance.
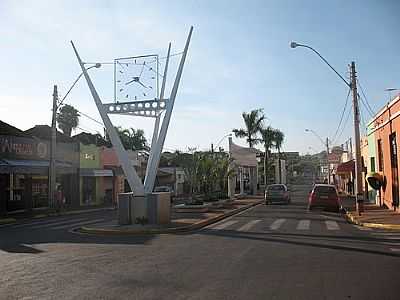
(394, 166)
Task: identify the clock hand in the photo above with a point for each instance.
(142, 84)
(135, 79)
(142, 69)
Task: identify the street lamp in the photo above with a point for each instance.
(326, 144)
(295, 45)
(220, 141)
(353, 86)
(56, 106)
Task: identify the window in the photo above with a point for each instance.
(372, 168)
(380, 156)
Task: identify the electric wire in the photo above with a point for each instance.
(344, 124)
(342, 115)
(370, 110)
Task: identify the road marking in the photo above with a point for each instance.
(362, 228)
(224, 225)
(393, 238)
(77, 224)
(276, 224)
(57, 223)
(248, 225)
(303, 225)
(395, 249)
(386, 234)
(332, 225)
(36, 223)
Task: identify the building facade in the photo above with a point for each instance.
(385, 131)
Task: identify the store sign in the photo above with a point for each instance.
(334, 158)
(12, 147)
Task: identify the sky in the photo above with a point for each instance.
(239, 59)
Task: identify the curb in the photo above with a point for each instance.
(352, 219)
(7, 221)
(70, 212)
(182, 229)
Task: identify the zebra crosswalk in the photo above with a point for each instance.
(275, 225)
(54, 223)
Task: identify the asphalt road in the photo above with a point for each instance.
(267, 252)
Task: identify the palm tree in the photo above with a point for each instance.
(267, 138)
(132, 139)
(68, 119)
(253, 122)
(279, 137)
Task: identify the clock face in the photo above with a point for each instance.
(136, 78)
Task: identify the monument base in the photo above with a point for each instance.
(153, 208)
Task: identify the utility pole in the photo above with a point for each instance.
(358, 167)
(212, 148)
(327, 157)
(52, 166)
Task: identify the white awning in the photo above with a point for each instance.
(245, 157)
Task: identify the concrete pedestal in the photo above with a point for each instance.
(154, 207)
(124, 208)
(159, 208)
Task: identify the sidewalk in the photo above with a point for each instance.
(180, 221)
(373, 216)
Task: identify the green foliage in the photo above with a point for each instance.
(253, 122)
(132, 139)
(207, 173)
(67, 119)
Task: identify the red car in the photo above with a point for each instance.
(324, 196)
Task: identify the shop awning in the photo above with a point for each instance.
(346, 167)
(32, 166)
(96, 173)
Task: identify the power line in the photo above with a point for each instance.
(370, 110)
(342, 115)
(344, 124)
(89, 117)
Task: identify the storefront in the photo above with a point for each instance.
(24, 167)
(96, 182)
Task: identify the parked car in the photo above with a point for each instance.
(276, 193)
(324, 196)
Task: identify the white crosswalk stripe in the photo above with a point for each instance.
(362, 228)
(57, 223)
(77, 224)
(332, 225)
(276, 224)
(395, 249)
(224, 225)
(248, 225)
(38, 222)
(303, 225)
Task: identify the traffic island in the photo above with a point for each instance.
(180, 221)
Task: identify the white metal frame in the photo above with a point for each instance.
(144, 108)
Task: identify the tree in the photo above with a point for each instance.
(267, 138)
(132, 139)
(253, 122)
(68, 119)
(278, 140)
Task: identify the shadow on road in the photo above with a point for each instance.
(23, 243)
(276, 239)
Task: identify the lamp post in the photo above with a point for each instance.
(220, 141)
(56, 105)
(356, 113)
(326, 144)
